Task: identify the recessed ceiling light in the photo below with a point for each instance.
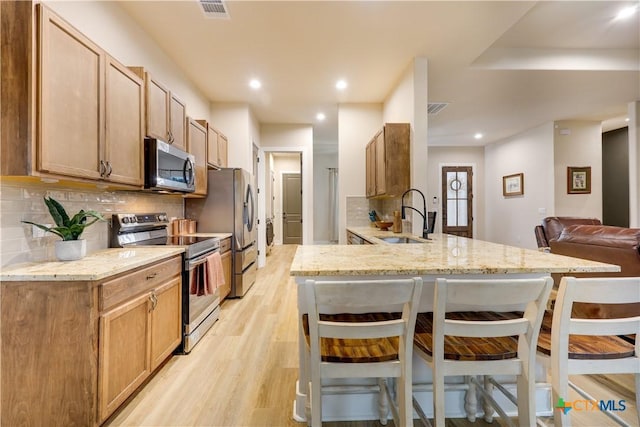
(478, 135)
(626, 12)
(255, 84)
(341, 85)
(320, 116)
(627, 119)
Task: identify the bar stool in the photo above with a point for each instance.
(575, 346)
(345, 341)
(482, 342)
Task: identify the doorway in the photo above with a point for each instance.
(284, 196)
(457, 200)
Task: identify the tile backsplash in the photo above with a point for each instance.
(23, 200)
(358, 208)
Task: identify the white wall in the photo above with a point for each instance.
(357, 124)
(581, 147)
(511, 220)
(107, 25)
(457, 156)
(633, 111)
(288, 138)
(407, 103)
(234, 121)
(322, 161)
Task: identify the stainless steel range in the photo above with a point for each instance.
(199, 312)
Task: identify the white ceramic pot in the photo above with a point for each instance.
(71, 250)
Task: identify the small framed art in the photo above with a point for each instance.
(513, 185)
(579, 180)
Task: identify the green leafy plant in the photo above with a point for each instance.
(67, 228)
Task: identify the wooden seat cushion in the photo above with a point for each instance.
(585, 346)
(467, 348)
(356, 350)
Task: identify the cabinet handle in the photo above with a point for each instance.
(109, 169)
(103, 168)
(154, 301)
(152, 275)
(170, 135)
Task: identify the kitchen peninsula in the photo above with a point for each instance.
(443, 255)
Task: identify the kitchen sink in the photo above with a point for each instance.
(400, 240)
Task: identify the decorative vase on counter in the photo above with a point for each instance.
(71, 250)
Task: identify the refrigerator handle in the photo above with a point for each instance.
(249, 203)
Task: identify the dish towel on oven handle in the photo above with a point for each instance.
(208, 276)
(213, 272)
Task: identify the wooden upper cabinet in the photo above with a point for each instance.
(89, 108)
(177, 120)
(217, 147)
(124, 111)
(223, 150)
(70, 111)
(388, 171)
(166, 114)
(197, 145)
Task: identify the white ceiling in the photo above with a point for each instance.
(503, 66)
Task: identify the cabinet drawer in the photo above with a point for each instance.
(225, 245)
(118, 290)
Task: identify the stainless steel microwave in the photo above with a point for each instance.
(167, 167)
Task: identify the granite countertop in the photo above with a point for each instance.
(443, 254)
(96, 266)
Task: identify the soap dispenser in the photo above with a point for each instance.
(397, 222)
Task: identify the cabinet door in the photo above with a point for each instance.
(124, 361)
(157, 103)
(223, 148)
(197, 145)
(124, 109)
(177, 122)
(212, 148)
(380, 162)
(70, 114)
(371, 169)
(226, 267)
(166, 321)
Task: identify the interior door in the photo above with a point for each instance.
(457, 200)
(291, 208)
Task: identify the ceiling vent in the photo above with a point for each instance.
(435, 107)
(214, 9)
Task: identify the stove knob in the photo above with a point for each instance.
(133, 219)
(125, 219)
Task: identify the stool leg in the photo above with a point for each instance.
(383, 401)
(471, 400)
(486, 405)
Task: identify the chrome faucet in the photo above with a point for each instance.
(425, 227)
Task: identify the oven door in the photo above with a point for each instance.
(196, 308)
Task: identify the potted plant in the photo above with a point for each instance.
(71, 247)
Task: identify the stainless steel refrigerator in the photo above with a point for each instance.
(230, 207)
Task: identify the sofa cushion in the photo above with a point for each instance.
(553, 225)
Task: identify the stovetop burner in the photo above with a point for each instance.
(152, 230)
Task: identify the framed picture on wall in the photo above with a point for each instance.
(579, 180)
(513, 185)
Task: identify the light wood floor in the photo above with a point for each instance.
(243, 372)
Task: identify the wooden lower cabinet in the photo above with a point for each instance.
(226, 267)
(73, 351)
(225, 252)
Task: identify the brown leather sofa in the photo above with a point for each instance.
(552, 226)
(613, 245)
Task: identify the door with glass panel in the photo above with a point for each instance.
(457, 200)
